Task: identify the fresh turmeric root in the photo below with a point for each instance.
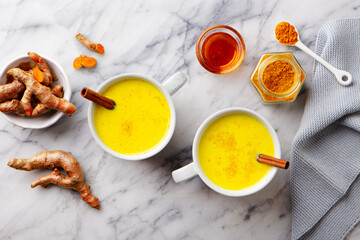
(41, 92)
(26, 66)
(41, 108)
(58, 91)
(42, 73)
(84, 61)
(54, 160)
(13, 106)
(96, 47)
(38, 75)
(11, 90)
(31, 81)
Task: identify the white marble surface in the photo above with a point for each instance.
(139, 200)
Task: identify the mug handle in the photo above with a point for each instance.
(184, 173)
(175, 82)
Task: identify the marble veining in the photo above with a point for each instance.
(140, 200)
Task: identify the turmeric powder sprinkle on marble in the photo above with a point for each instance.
(279, 76)
(286, 33)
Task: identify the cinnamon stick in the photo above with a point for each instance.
(276, 162)
(97, 98)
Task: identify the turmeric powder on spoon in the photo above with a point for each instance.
(286, 33)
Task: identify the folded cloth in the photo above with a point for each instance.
(324, 185)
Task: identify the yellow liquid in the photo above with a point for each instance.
(228, 149)
(139, 121)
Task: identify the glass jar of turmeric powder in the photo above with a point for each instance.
(278, 77)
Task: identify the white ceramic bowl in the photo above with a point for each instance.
(194, 168)
(45, 120)
(168, 88)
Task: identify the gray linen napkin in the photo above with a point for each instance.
(325, 187)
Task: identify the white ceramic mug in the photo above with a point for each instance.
(194, 168)
(168, 88)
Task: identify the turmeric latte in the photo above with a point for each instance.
(228, 149)
(139, 121)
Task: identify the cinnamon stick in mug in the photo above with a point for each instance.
(98, 98)
(276, 162)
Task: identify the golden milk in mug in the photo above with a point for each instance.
(228, 149)
(139, 121)
(143, 120)
(225, 149)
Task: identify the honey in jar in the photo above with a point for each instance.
(220, 49)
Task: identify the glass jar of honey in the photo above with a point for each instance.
(220, 49)
(278, 77)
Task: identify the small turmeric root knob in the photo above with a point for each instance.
(42, 72)
(96, 47)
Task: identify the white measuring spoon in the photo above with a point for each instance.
(343, 77)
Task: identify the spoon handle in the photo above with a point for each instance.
(343, 77)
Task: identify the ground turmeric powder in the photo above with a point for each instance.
(286, 33)
(272, 92)
(279, 76)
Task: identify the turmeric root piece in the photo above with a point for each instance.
(42, 93)
(77, 63)
(13, 106)
(11, 90)
(26, 66)
(54, 160)
(88, 62)
(38, 75)
(58, 91)
(43, 67)
(41, 108)
(96, 47)
(84, 61)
